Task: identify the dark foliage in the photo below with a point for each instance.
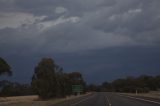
(49, 80)
(4, 67)
(130, 84)
(14, 89)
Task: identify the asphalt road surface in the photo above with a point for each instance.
(109, 99)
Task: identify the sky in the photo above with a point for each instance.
(102, 39)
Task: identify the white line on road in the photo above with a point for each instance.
(81, 101)
(108, 101)
(141, 99)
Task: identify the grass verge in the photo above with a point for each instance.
(152, 94)
(32, 100)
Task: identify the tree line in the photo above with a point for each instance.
(48, 81)
(9, 88)
(130, 84)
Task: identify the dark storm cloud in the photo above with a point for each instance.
(98, 24)
(48, 6)
(97, 66)
(37, 28)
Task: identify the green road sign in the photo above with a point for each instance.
(77, 88)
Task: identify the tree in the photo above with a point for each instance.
(44, 81)
(64, 84)
(77, 79)
(50, 81)
(15, 89)
(4, 67)
(93, 88)
(106, 86)
(157, 81)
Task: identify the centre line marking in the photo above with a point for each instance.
(81, 101)
(108, 101)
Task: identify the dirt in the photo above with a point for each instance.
(32, 100)
(152, 94)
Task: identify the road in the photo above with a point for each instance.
(109, 99)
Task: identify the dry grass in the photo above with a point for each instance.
(152, 94)
(16, 99)
(31, 101)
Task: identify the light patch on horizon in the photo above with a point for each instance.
(60, 10)
(16, 19)
(138, 10)
(53, 23)
(125, 15)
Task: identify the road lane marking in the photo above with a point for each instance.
(108, 101)
(81, 101)
(141, 99)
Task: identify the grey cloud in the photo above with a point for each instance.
(102, 24)
(112, 63)
(19, 40)
(112, 38)
(129, 22)
(41, 7)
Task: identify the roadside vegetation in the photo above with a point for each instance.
(51, 81)
(151, 94)
(4, 67)
(48, 81)
(141, 84)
